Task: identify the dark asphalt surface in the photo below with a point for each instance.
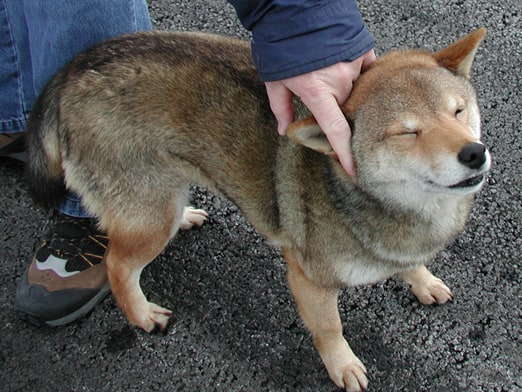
(235, 327)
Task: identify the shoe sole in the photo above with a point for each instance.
(79, 313)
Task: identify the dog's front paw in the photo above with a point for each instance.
(432, 291)
(351, 377)
(193, 216)
(344, 368)
(150, 316)
(427, 288)
(354, 377)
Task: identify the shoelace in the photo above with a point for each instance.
(97, 239)
(77, 243)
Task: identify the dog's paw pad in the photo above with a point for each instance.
(193, 217)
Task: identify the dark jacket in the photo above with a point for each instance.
(291, 37)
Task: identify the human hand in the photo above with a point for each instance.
(323, 92)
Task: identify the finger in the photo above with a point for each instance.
(341, 144)
(368, 59)
(333, 123)
(281, 104)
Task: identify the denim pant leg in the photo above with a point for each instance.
(37, 38)
(15, 65)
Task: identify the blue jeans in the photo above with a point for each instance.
(38, 37)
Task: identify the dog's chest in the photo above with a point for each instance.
(355, 272)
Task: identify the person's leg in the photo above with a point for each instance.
(66, 277)
(15, 66)
(38, 37)
(58, 30)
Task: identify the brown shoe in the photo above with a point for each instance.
(67, 277)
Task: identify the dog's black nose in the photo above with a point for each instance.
(473, 155)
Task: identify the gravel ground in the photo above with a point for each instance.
(235, 327)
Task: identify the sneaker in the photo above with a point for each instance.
(67, 277)
(12, 145)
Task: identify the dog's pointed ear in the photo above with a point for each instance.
(458, 57)
(308, 133)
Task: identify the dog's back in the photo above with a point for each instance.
(151, 112)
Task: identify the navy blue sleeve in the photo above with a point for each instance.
(291, 37)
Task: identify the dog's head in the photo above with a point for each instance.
(415, 123)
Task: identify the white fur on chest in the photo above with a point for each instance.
(361, 272)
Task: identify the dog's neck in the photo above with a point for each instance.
(391, 230)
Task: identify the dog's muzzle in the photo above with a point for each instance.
(474, 156)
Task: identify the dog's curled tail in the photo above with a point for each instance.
(44, 173)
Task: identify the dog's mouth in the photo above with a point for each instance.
(468, 183)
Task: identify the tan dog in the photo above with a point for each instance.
(131, 123)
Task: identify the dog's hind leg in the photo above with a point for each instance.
(427, 288)
(319, 311)
(131, 248)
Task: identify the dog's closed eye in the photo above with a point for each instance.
(409, 133)
(459, 111)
